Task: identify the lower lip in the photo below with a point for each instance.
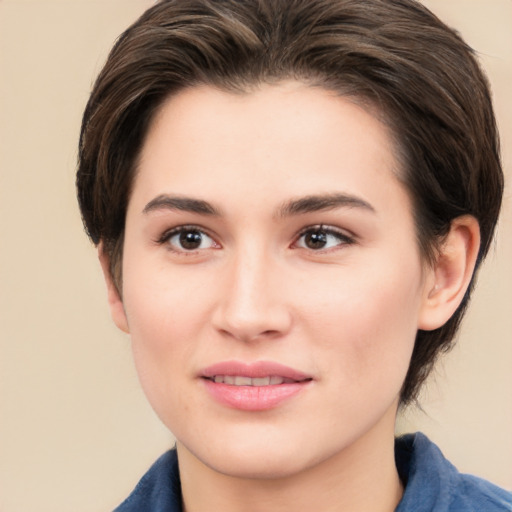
(254, 398)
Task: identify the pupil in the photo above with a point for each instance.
(190, 239)
(316, 239)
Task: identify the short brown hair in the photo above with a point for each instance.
(393, 55)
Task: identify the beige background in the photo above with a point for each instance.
(75, 430)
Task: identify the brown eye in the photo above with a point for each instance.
(315, 239)
(190, 240)
(184, 239)
(319, 238)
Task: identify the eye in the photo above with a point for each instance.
(320, 238)
(188, 239)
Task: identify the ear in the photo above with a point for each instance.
(449, 278)
(115, 300)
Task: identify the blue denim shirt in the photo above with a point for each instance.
(431, 483)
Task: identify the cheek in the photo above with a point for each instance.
(161, 302)
(367, 322)
(163, 327)
(162, 322)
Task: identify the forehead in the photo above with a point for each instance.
(264, 147)
(300, 126)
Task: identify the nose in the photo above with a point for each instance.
(252, 304)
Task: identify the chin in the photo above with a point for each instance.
(258, 464)
(260, 455)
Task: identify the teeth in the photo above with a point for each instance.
(238, 380)
(243, 381)
(262, 381)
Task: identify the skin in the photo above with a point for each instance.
(256, 289)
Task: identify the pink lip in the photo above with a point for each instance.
(254, 370)
(254, 398)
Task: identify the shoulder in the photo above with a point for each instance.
(482, 495)
(432, 483)
(159, 489)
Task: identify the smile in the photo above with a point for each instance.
(257, 386)
(237, 380)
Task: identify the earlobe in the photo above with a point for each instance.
(115, 300)
(449, 278)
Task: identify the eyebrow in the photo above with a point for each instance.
(323, 202)
(302, 205)
(185, 204)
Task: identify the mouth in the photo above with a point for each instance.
(239, 380)
(257, 386)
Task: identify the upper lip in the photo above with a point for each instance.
(257, 369)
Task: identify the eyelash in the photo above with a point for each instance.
(326, 231)
(168, 235)
(341, 236)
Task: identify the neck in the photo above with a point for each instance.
(360, 478)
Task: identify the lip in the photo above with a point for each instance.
(254, 370)
(254, 398)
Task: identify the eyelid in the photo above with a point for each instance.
(345, 237)
(169, 233)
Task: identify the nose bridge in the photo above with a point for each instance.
(253, 303)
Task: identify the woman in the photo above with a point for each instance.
(290, 200)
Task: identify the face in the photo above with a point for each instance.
(272, 284)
